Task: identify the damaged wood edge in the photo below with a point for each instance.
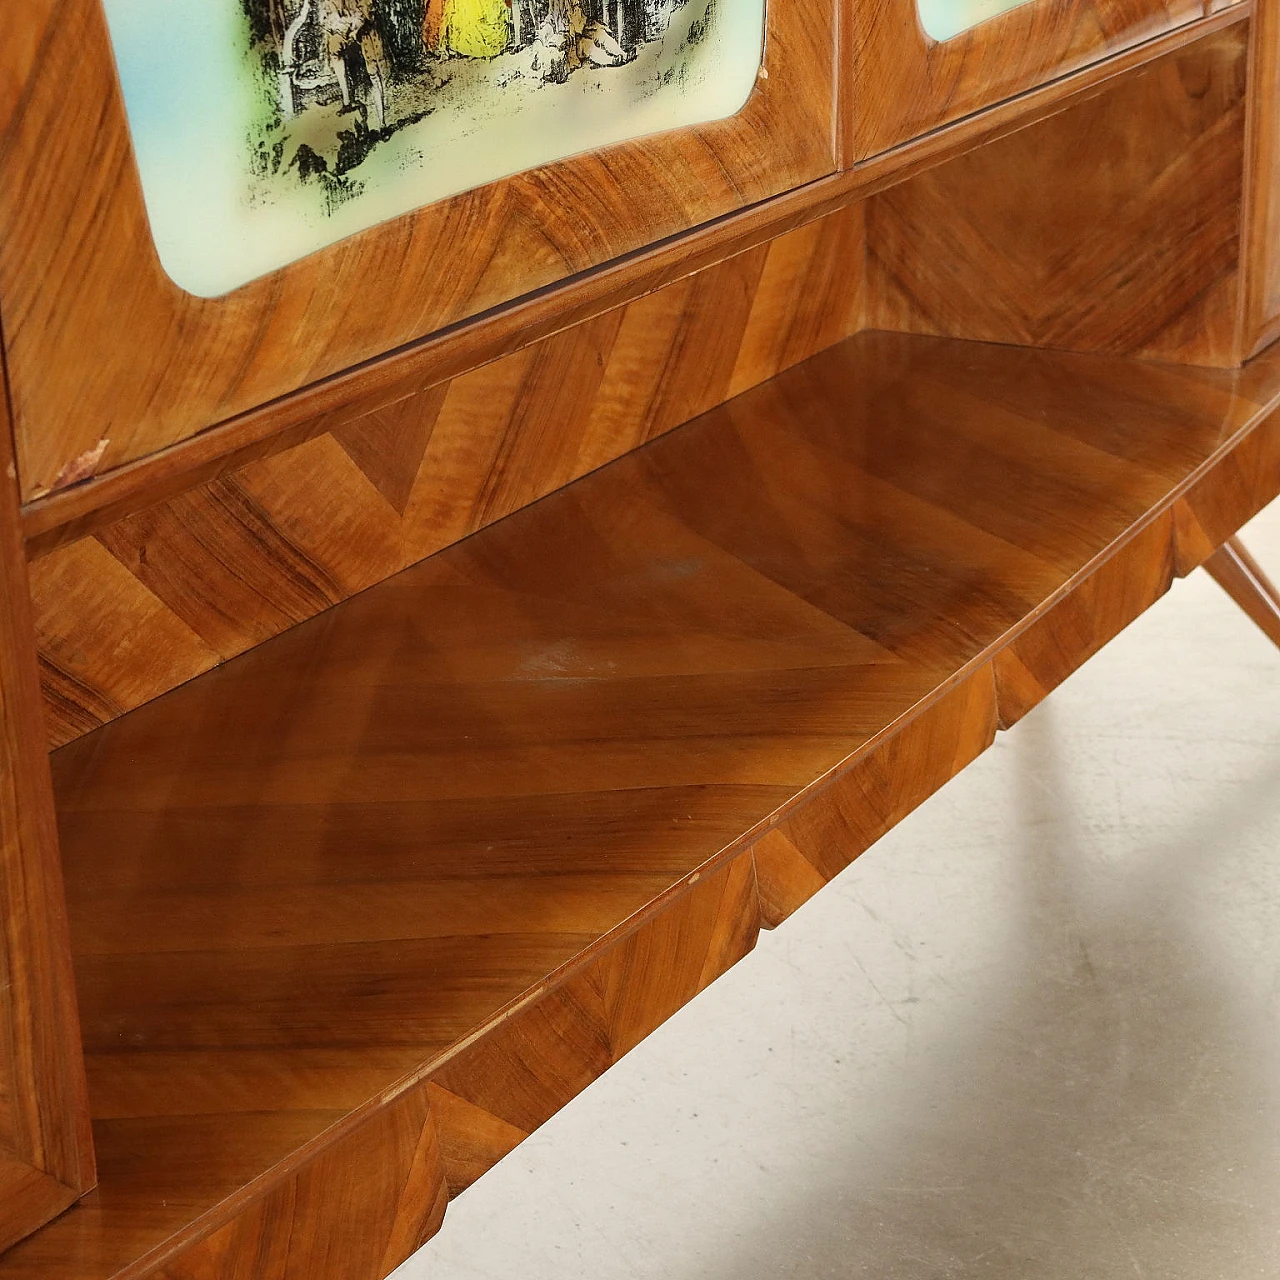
(90, 502)
(82, 468)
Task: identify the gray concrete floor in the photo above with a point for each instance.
(1032, 1034)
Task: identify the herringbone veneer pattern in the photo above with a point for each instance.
(355, 913)
(1114, 226)
(171, 591)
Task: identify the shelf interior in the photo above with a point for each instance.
(304, 876)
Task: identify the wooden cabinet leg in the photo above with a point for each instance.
(1238, 574)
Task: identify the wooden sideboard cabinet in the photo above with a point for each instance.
(503, 502)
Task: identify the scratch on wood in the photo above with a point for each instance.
(82, 468)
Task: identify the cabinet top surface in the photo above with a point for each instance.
(310, 872)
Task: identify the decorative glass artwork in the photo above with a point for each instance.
(267, 129)
(945, 19)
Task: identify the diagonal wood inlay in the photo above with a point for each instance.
(207, 574)
(389, 445)
(1114, 226)
(356, 912)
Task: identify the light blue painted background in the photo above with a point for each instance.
(188, 81)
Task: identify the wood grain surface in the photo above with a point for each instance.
(1048, 651)
(46, 1152)
(810, 846)
(1030, 239)
(1113, 226)
(1227, 497)
(162, 595)
(899, 83)
(377, 384)
(355, 912)
(1261, 265)
(102, 346)
(1242, 578)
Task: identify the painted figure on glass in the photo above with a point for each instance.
(270, 128)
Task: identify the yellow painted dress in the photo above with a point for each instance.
(475, 28)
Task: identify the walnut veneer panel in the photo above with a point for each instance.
(1128, 584)
(355, 912)
(74, 511)
(46, 1156)
(1262, 243)
(103, 347)
(900, 83)
(1114, 226)
(1232, 494)
(811, 847)
(169, 592)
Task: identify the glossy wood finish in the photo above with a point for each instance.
(810, 846)
(373, 385)
(1228, 496)
(1128, 584)
(165, 594)
(378, 383)
(357, 911)
(1261, 265)
(990, 245)
(1241, 577)
(1114, 226)
(76, 255)
(900, 83)
(46, 1157)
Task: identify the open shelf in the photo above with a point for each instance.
(355, 912)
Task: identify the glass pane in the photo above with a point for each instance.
(944, 19)
(267, 129)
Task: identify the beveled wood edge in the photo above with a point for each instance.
(979, 671)
(72, 513)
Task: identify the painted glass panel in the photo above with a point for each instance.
(267, 129)
(946, 19)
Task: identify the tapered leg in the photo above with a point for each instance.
(1238, 574)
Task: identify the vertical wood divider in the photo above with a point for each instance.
(46, 1144)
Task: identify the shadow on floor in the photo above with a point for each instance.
(1109, 1114)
